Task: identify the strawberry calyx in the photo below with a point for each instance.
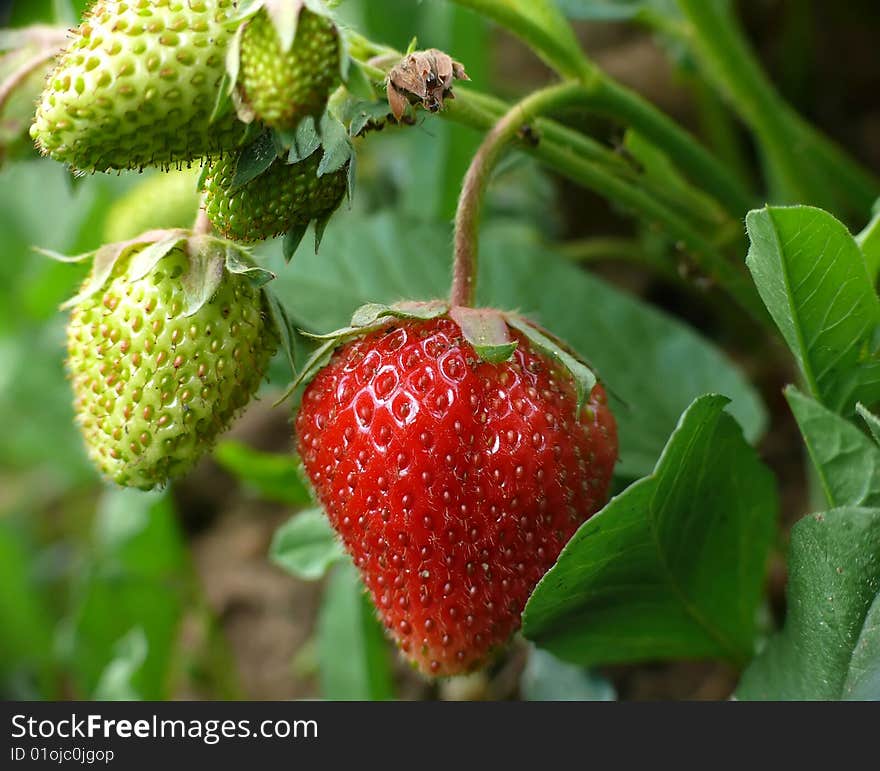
(487, 330)
(331, 138)
(328, 136)
(210, 258)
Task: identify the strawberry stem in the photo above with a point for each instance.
(470, 202)
(202, 226)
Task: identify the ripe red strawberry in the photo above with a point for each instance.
(454, 482)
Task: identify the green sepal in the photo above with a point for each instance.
(487, 332)
(69, 259)
(285, 15)
(239, 261)
(254, 159)
(224, 102)
(292, 239)
(336, 143)
(363, 116)
(316, 362)
(203, 176)
(246, 9)
(375, 315)
(368, 318)
(583, 376)
(303, 141)
(360, 85)
(321, 228)
(105, 258)
(872, 421)
(284, 328)
(233, 62)
(146, 259)
(209, 258)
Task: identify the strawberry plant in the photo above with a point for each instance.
(503, 442)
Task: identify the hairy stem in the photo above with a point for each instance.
(586, 162)
(551, 37)
(202, 226)
(470, 203)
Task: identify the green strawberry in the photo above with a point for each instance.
(284, 198)
(137, 87)
(290, 59)
(168, 340)
(164, 200)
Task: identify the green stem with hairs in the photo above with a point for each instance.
(587, 163)
(473, 190)
(543, 28)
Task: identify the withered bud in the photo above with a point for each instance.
(423, 77)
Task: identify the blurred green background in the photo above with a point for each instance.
(116, 594)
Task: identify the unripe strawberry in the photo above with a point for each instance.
(166, 345)
(454, 482)
(164, 200)
(286, 196)
(137, 87)
(290, 61)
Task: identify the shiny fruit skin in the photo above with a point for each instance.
(453, 483)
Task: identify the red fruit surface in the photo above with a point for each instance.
(453, 483)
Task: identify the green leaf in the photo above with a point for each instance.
(674, 566)
(830, 646)
(847, 461)
(869, 242)
(354, 663)
(871, 419)
(655, 364)
(272, 476)
(136, 576)
(546, 678)
(306, 545)
(812, 278)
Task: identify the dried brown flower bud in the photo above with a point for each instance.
(423, 77)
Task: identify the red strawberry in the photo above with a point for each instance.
(453, 482)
